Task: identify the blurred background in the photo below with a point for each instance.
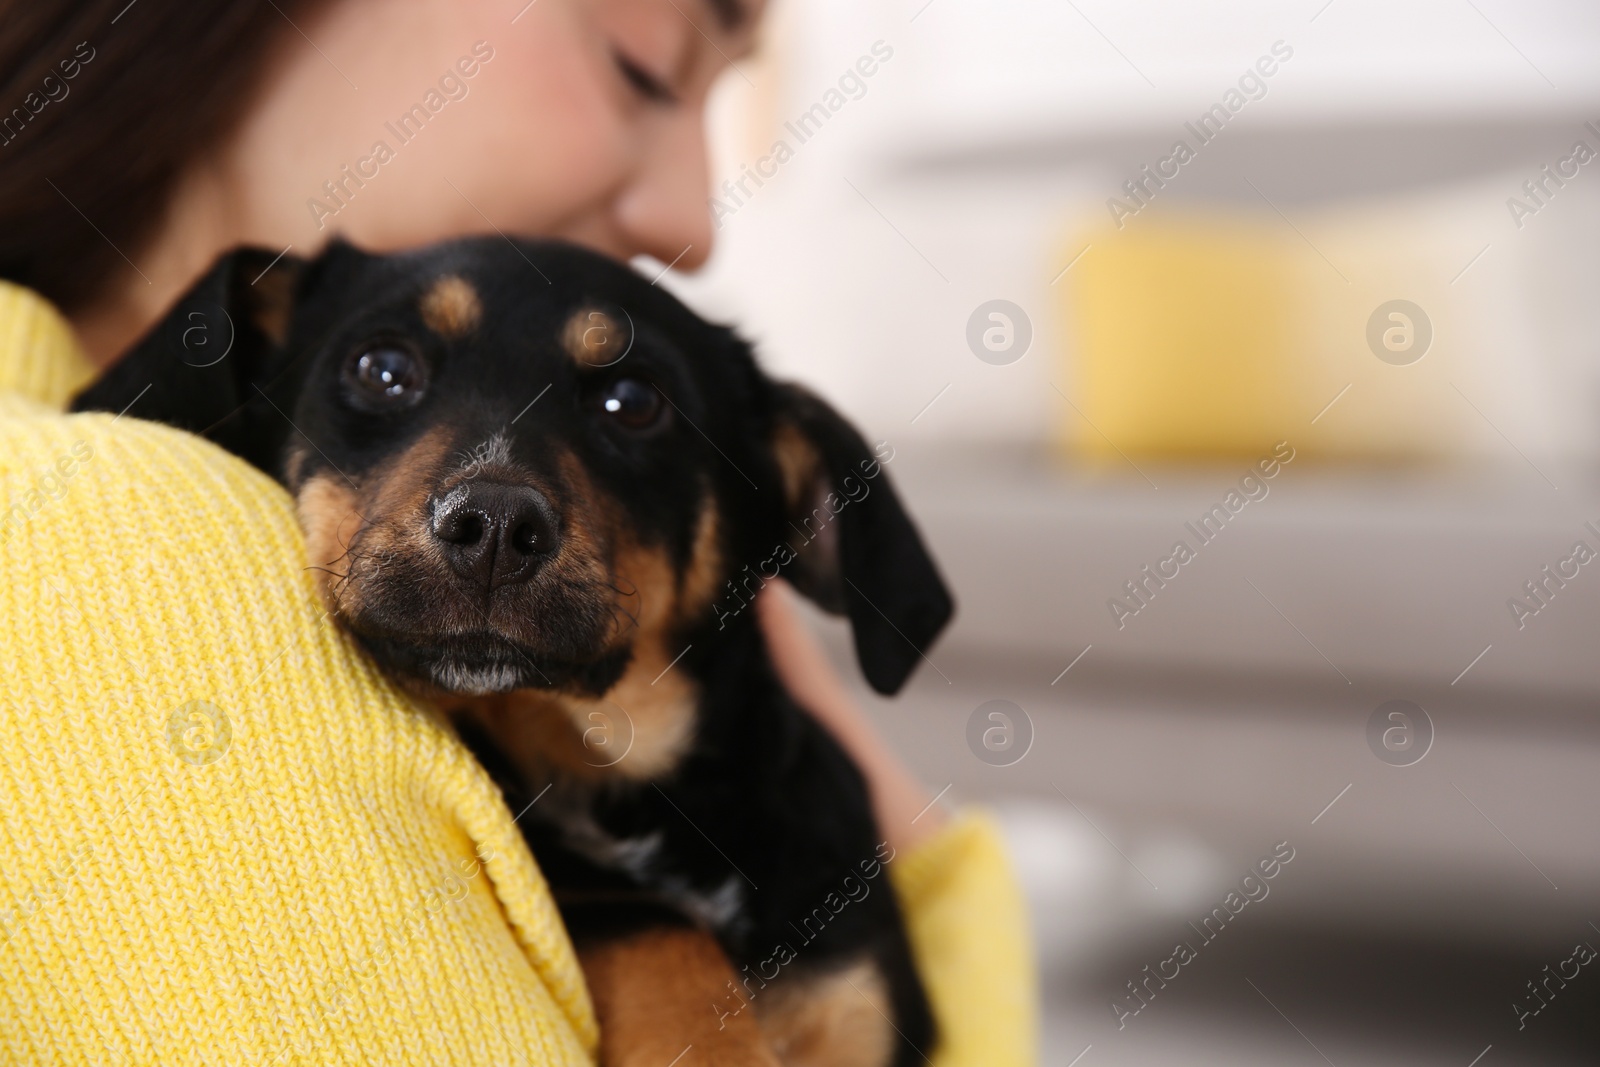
(1093, 268)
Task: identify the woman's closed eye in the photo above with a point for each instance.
(642, 81)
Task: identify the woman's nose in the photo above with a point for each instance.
(661, 210)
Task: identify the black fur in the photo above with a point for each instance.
(764, 801)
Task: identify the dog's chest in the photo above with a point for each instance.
(644, 859)
(597, 829)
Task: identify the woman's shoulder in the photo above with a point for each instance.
(209, 791)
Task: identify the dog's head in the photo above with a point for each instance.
(520, 465)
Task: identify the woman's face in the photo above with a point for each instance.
(399, 124)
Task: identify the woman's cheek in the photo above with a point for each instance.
(562, 131)
(547, 141)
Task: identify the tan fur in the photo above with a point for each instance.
(272, 302)
(330, 514)
(837, 1020)
(295, 466)
(706, 571)
(655, 995)
(378, 517)
(657, 698)
(660, 718)
(594, 338)
(451, 307)
(540, 733)
(588, 523)
(644, 724)
(797, 464)
(395, 502)
(589, 741)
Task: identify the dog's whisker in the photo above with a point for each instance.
(630, 594)
(619, 610)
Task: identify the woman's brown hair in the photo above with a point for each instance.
(105, 103)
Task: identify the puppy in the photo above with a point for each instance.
(542, 492)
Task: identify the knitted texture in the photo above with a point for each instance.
(224, 837)
(969, 933)
(38, 357)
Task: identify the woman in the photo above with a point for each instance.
(225, 837)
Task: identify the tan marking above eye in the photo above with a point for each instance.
(451, 307)
(595, 338)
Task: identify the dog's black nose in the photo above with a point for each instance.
(494, 534)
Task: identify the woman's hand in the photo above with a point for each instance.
(899, 801)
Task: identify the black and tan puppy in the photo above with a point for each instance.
(542, 491)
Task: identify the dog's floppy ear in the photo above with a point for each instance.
(200, 367)
(857, 552)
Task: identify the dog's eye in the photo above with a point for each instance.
(632, 402)
(387, 375)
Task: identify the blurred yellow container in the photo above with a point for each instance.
(1206, 336)
(1184, 334)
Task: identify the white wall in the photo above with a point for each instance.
(997, 131)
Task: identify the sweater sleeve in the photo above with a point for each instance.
(225, 837)
(968, 926)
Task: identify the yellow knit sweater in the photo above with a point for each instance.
(225, 838)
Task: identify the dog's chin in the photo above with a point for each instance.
(481, 663)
